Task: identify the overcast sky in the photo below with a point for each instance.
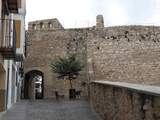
(82, 13)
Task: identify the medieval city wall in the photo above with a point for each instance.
(122, 53)
(125, 53)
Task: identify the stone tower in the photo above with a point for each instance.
(99, 21)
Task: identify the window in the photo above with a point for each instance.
(33, 27)
(49, 25)
(41, 25)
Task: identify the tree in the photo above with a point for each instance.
(67, 67)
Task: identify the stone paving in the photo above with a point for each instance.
(51, 110)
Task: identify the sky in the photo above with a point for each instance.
(82, 13)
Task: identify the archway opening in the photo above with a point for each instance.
(33, 85)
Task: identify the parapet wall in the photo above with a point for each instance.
(123, 101)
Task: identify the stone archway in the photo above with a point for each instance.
(34, 85)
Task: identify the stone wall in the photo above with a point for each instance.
(126, 53)
(45, 46)
(48, 24)
(123, 101)
(122, 53)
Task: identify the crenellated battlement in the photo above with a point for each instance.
(54, 24)
(48, 24)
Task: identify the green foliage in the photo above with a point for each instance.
(68, 66)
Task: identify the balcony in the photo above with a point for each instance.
(13, 6)
(7, 38)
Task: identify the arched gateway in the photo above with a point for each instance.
(33, 85)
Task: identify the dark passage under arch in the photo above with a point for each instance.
(33, 85)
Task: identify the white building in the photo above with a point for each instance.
(12, 50)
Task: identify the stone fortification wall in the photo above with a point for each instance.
(123, 101)
(43, 48)
(125, 53)
(46, 46)
(122, 53)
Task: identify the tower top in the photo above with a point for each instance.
(99, 21)
(47, 24)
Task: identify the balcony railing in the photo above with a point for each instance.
(7, 38)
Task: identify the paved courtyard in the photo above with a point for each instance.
(51, 110)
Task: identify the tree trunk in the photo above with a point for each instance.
(71, 90)
(70, 83)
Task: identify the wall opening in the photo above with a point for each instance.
(33, 85)
(41, 25)
(33, 27)
(49, 25)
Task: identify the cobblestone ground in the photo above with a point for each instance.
(51, 110)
